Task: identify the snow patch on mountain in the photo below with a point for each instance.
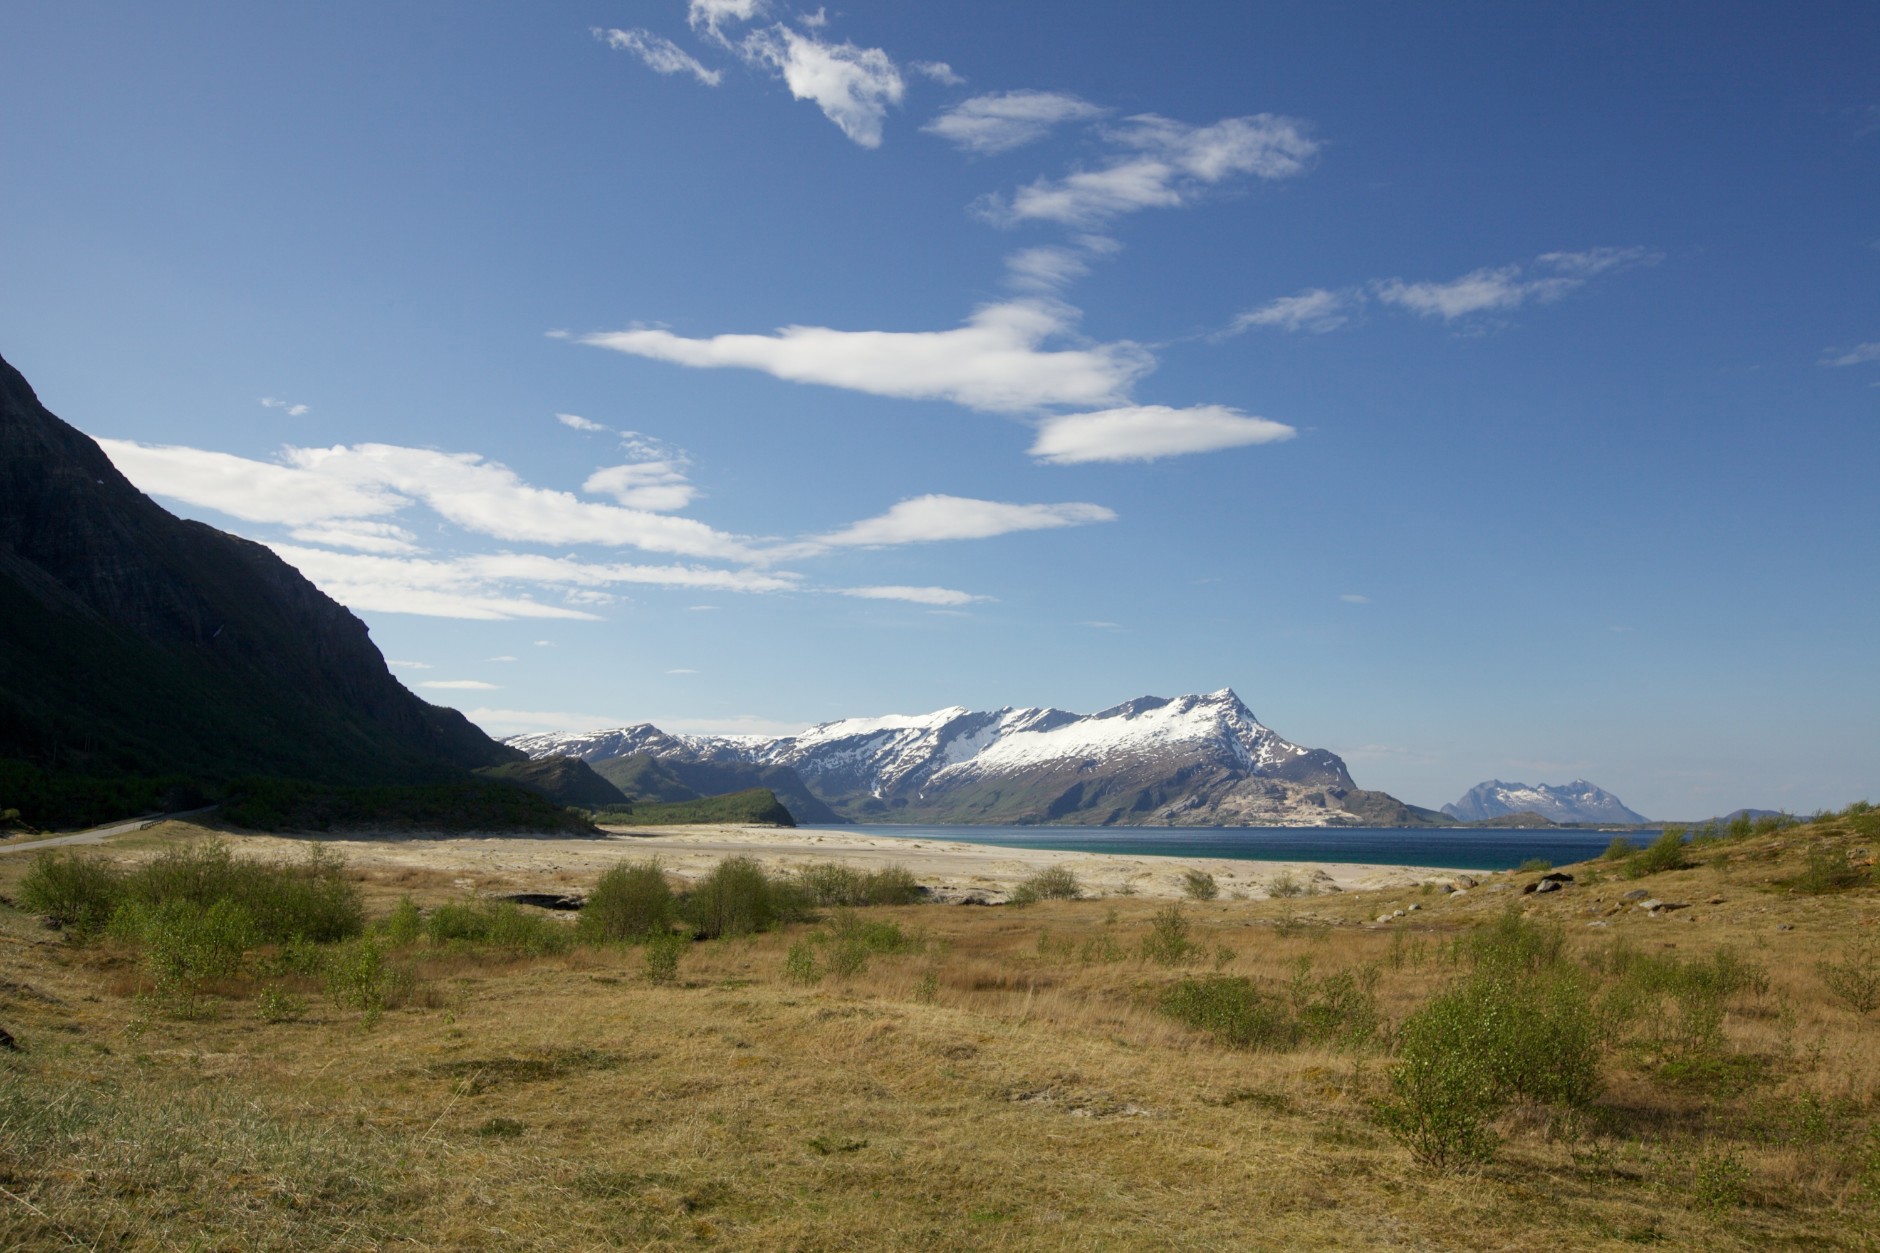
(1578, 801)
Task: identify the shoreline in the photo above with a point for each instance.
(953, 871)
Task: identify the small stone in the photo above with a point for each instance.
(1548, 885)
(1636, 894)
(1651, 905)
(1715, 900)
(1601, 923)
(1414, 908)
(7, 1043)
(1464, 882)
(1786, 927)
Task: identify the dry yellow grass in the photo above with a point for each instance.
(993, 1090)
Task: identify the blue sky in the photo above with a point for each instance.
(1479, 390)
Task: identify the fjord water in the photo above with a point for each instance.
(1456, 848)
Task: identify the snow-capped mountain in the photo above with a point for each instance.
(1578, 801)
(1191, 760)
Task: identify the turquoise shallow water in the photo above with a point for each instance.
(1471, 848)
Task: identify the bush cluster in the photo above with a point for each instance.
(1053, 883)
(832, 883)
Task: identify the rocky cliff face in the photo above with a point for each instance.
(1188, 761)
(135, 641)
(1578, 801)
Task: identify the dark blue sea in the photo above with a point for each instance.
(1465, 848)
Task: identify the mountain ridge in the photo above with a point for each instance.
(139, 643)
(1576, 801)
(1197, 759)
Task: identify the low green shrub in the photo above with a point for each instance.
(1232, 1010)
(1053, 883)
(498, 924)
(1287, 885)
(185, 947)
(405, 923)
(80, 893)
(1535, 865)
(1830, 869)
(308, 900)
(1199, 885)
(799, 964)
(360, 976)
(662, 958)
(1855, 978)
(1664, 853)
(832, 883)
(629, 902)
(275, 1006)
(738, 898)
(1168, 942)
(1339, 1008)
(1620, 849)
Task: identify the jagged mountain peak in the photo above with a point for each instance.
(1146, 759)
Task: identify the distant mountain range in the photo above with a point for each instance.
(134, 643)
(1578, 801)
(1186, 761)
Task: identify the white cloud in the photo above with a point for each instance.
(1592, 261)
(1315, 310)
(659, 486)
(709, 16)
(939, 71)
(371, 537)
(410, 665)
(502, 658)
(1046, 268)
(1354, 598)
(682, 670)
(1146, 432)
(255, 491)
(854, 87)
(435, 589)
(926, 519)
(660, 54)
(1859, 354)
(1507, 287)
(1162, 163)
(569, 571)
(460, 685)
(914, 595)
(320, 485)
(1002, 121)
(577, 422)
(1479, 291)
(992, 362)
(292, 410)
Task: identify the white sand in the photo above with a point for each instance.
(952, 869)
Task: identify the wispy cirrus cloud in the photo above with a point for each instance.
(460, 685)
(1157, 162)
(996, 361)
(575, 421)
(927, 519)
(321, 485)
(658, 53)
(1491, 289)
(710, 17)
(940, 596)
(1001, 121)
(291, 409)
(1314, 309)
(1149, 433)
(1859, 354)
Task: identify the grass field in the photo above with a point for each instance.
(966, 1078)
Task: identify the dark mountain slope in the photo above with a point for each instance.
(134, 642)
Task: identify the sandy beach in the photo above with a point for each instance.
(956, 871)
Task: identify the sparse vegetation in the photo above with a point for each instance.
(629, 902)
(832, 883)
(1199, 885)
(1697, 1079)
(1053, 883)
(1665, 853)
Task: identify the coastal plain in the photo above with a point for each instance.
(1005, 1078)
